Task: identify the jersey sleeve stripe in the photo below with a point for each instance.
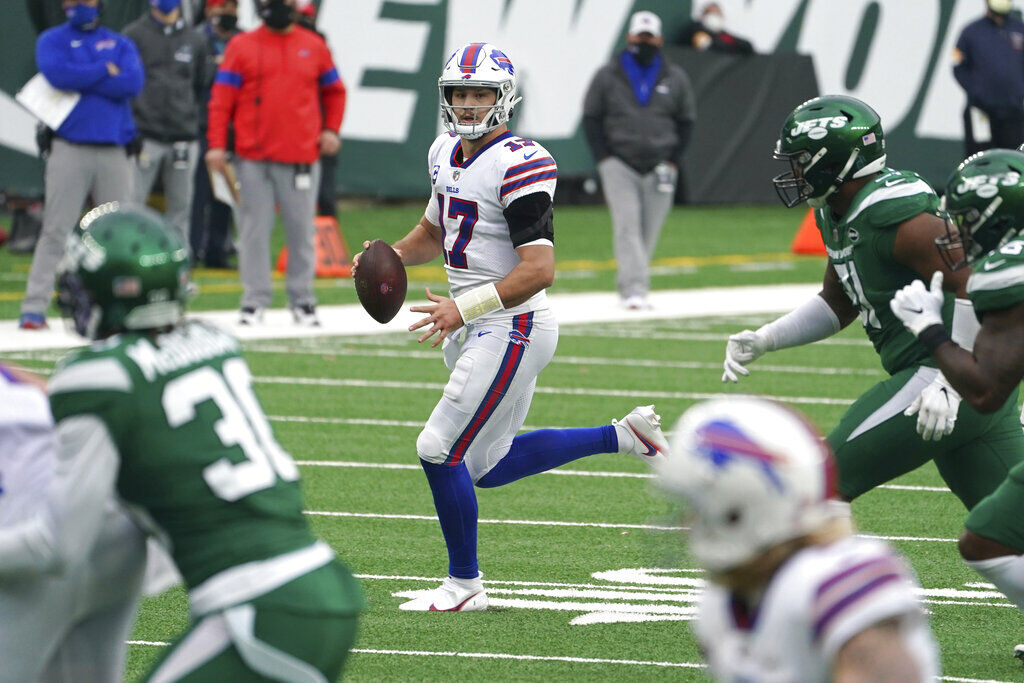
(826, 585)
(884, 193)
(527, 180)
(102, 374)
(982, 281)
(823, 621)
(519, 169)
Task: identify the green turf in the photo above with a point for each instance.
(976, 639)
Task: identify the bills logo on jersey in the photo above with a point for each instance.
(723, 443)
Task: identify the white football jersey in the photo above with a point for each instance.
(28, 447)
(818, 600)
(467, 201)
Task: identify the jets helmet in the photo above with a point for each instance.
(480, 65)
(827, 141)
(985, 201)
(123, 269)
(753, 474)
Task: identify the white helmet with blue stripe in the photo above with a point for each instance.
(754, 474)
(479, 65)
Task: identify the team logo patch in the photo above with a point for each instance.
(854, 235)
(816, 129)
(987, 186)
(502, 61)
(518, 338)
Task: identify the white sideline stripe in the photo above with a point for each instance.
(561, 472)
(563, 360)
(595, 525)
(619, 393)
(548, 658)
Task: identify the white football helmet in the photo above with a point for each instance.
(485, 66)
(754, 473)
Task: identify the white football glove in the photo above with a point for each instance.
(936, 408)
(743, 348)
(919, 308)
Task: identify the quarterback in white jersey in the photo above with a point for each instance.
(489, 216)
(794, 596)
(66, 604)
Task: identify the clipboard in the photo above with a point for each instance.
(225, 186)
(46, 103)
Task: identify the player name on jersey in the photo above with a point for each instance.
(180, 348)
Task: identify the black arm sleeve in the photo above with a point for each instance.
(529, 218)
(683, 129)
(596, 139)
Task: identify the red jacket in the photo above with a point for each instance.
(271, 86)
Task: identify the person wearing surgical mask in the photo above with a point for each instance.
(167, 110)
(708, 32)
(988, 63)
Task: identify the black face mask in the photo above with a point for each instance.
(277, 15)
(225, 22)
(644, 52)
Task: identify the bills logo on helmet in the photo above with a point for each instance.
(501, 60)
(724, 443)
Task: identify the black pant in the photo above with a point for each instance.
(211, 219)
(327, 194)
(1007, 129)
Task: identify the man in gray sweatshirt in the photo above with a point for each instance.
(637, 117)
(167, 110)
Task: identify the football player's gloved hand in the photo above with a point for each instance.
(919, 308)
(936, 408)
(743, 348)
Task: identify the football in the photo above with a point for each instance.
(380, 281)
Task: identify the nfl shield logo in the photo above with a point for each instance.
(455, 174)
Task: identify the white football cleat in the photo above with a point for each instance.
(453, 595)
(250, 316)
(640, 434)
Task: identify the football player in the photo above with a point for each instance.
(879, 227)
(793, 595)
(161, 411)
(490, 216)
(65, 614)
(985, 200)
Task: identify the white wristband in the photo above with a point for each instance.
(479, 301)
(965, 324)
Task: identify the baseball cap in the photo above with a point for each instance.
(217, 3)
(306, 7)
(644, 22)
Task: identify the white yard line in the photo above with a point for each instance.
(557, 472)
(616, 393)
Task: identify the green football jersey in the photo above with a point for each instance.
(197, 455)
(860, 248)
(997, 280)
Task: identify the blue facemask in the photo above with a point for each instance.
(82, 16)
(165, 6)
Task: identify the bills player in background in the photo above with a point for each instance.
(66, 603)
(985, 201)
(490, 216)
(793, 596)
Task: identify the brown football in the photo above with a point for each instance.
(380, 281)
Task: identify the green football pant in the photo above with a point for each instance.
(1000, 516)
(249, 643)
(875, 443)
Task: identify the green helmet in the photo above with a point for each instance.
(123, 269)
(827, 141)
(985, 201)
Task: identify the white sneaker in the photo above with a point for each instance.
(305, 315)
(453, 595)
(250, 316)
(640, 434)
(1018, 652)
(635, 303)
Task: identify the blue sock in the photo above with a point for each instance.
(546, 449)
(455, 502)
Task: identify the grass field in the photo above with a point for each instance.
(562, 552)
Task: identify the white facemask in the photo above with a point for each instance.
(715, 22)
(1000, 6)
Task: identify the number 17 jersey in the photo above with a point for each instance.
(468, 200)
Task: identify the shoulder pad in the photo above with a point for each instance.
(894, 197)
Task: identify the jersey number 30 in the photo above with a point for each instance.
(465, 212)
(242, 424)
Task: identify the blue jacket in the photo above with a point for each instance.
(991, 65)
(77, 60)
